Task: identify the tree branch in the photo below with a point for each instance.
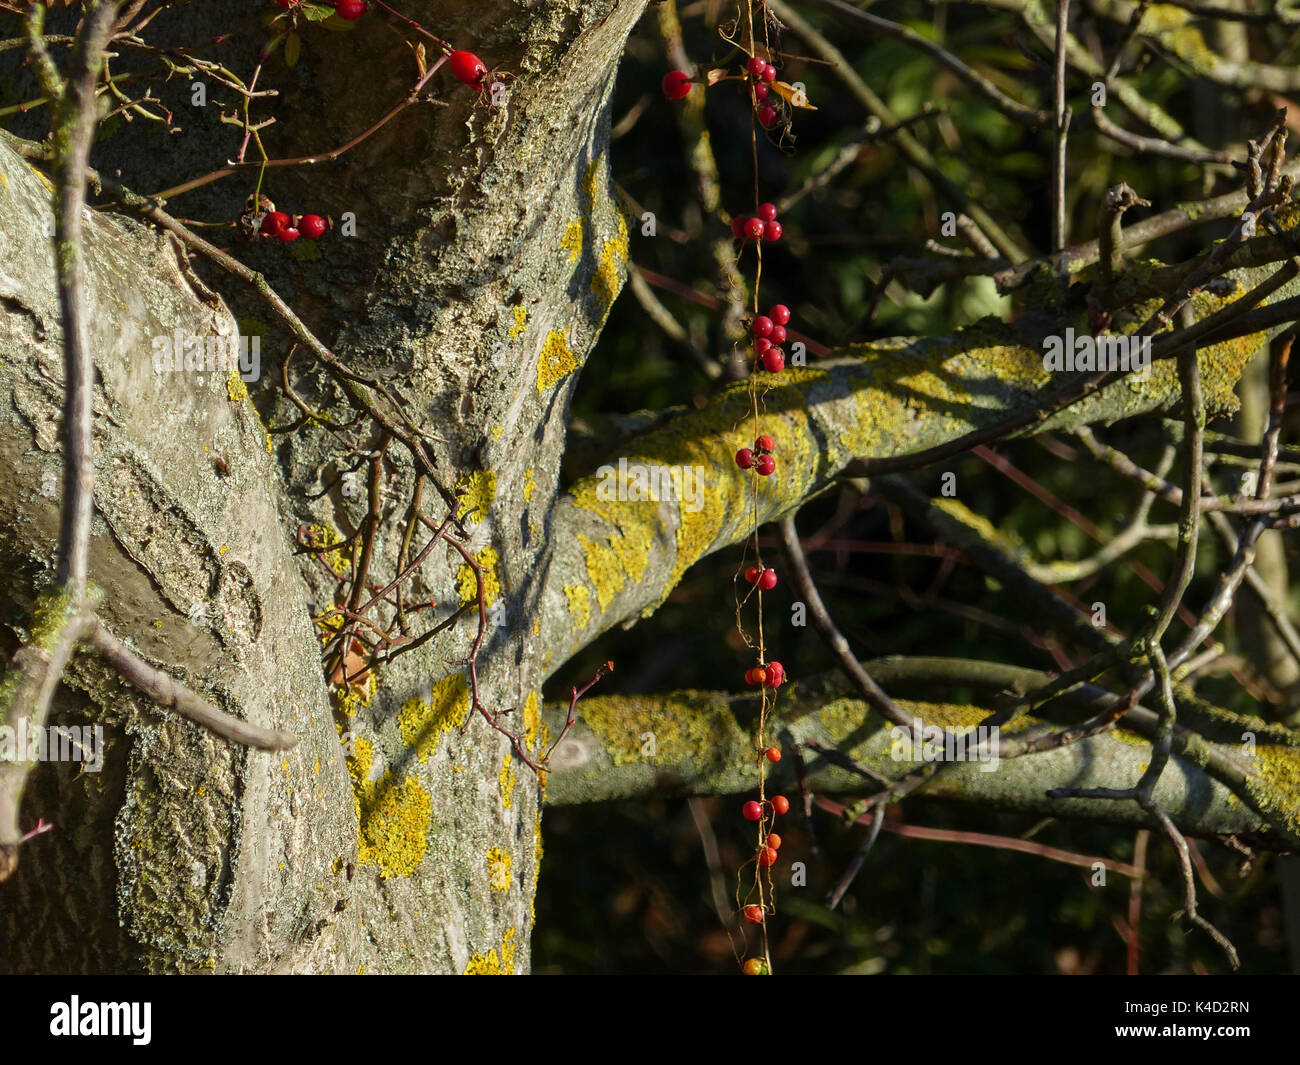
(614, 559)
(701, 747)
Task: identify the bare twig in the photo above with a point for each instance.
(74, 128)
(168, 692)
(855, 863)
(825, 625)
(1062, 131)
(575, 695)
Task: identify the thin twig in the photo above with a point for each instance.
(1062, 131)
(825, 625)
(167, 692)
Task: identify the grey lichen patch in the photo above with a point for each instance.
(176, 842)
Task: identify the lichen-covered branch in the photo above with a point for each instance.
(618, 553)
(697, 743)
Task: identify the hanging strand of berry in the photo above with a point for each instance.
(767, 334)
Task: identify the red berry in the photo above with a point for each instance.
(313, 226)
(286, 4)
(752, 574)
(350, 10)
(754, 228)
(755, 967)
(773, 362)
(752, 810)
(467, 67)
(775, 675)
(754, 915)
(780, 314)
(780, 804)
(767, 212)
(777, 335)
(769, 73)
(676, 84)
(761, 345)
(756, 65)
(766, 464)
(773, 840)
(767, 581)
(767, 116)
(738, 226)
(772, 231)
(288, 234)
(773, 755)
(767, 856)
(274, 222)
(765, 443)
(760, 92)
(744, 458)
(762, 326)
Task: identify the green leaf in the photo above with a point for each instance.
(273, 44)
(336, 23)
(292, 50)
(316, 12)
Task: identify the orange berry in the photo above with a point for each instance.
(774, 841)
(780, 804)
(767, 856)
(754, 914)
(755, 967)
(773, 754)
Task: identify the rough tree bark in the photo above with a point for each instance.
(488, 255)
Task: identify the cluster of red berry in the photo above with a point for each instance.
(770, 676)
(759, 458)
(289, 228)
(771, 844)
(764, 226)
(763, 74)
(348, 10)
(769, 333)
(760, 75)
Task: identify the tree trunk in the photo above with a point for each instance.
(487, 255)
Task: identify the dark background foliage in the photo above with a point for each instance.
(626, 887)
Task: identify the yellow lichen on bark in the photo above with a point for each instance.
(492, 964)
(423, 724)
(555, 361)
(392, 820)
(499, 864)
(467, 581)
